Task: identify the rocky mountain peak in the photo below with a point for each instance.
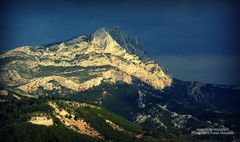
(114, 36)
(102, 38)
(115, 33)
(107, 55)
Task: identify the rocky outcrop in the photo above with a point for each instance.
(114, 126)
(48, 82)
(3, 92)
(109, 48)
(43, 119)
(78, 125)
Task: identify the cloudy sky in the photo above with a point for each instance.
(195, 40)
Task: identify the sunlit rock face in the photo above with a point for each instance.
(107, 55)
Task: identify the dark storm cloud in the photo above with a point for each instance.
(176, 27)
(170, 28)
(217, 69)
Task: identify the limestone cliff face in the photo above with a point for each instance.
(84, 62)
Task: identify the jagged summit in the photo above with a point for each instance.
(104, 36)
(107, 55)
(114, 33)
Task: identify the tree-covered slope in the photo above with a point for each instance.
(48, 119)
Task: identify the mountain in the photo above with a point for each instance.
(111, 71)
(94, 59)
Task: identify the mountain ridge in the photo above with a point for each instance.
(109, 68)
(109, 52)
